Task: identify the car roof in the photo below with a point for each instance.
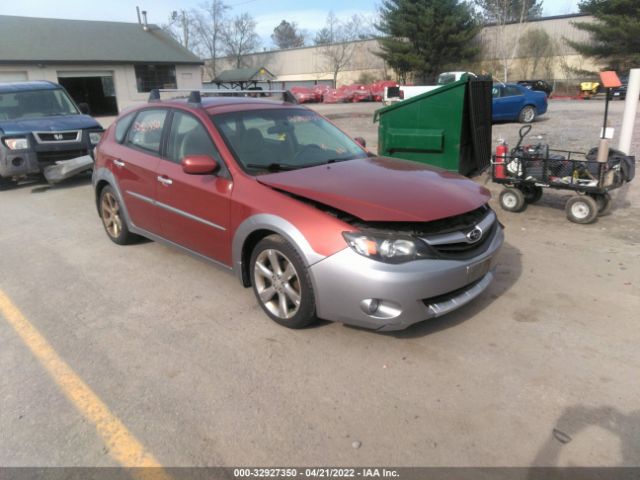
(226, 104)
(28, 86)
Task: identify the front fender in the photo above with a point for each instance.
(277, 225)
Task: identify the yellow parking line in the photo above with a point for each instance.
(123, 446)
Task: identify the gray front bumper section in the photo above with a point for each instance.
(344, 280)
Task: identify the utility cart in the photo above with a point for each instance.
(527, 169)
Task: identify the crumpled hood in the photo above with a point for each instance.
(383, 189)
(47, 124)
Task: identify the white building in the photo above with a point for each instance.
(108, 65)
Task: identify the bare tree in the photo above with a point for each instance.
(336, 42)
(208, 24)
(179, 27)
(240, 37)
(509, 17)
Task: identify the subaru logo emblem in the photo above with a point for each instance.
(58, 136)
(474, 235)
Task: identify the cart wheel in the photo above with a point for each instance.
(604, 203)
(512, 200)
(581, 209)
(532, 193)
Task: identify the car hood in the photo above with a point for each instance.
(48, 124)
(383, 189)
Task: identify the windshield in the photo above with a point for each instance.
(445, 78)
(284, 139)
(35, 103)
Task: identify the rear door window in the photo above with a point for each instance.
(146, 131)
(511, 91)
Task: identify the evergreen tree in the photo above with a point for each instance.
(423, 36)
(615, 36)
(286, 35)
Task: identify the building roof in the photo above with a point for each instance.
(259, 74)
(48, 40)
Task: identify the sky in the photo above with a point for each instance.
(308, 15)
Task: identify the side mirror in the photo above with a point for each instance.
(84, 108)
(199, 165)
(361, 141)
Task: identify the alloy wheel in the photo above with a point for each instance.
(277, 283)
(110, 210)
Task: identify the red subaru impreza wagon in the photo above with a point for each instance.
(317, 225)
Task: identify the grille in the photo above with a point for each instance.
(449, 295)
(460, 250)
(457, 244)
(52, 157)
(53, 137)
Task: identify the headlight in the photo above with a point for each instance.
(94, 137)
(16, 143)
(388, 249)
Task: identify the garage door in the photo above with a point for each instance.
(95, 88)
(13, 76)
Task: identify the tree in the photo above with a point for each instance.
(240, 37)
(615, 36)
(208, 24)
(422, 36)
(336, 41)
(508, 15)
(508, 11)
(536, 51)
(286, 35)
(179, 27)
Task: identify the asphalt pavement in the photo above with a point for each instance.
(123, 355)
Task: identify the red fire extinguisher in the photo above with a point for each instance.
(501, 158)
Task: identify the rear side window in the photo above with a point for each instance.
(510, 91)
(122, 126)
(146, 131)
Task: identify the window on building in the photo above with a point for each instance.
(149, 77)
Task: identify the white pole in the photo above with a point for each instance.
(630, 109)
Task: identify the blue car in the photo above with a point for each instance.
(40, 125)
(517, 103)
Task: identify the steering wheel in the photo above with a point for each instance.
(308, 149)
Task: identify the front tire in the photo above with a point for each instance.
(113, 218)
(6, 183)
(581, 209)
(512, 200)
(527, 114)
(281, 283)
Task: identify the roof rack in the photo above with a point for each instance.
(195, 96)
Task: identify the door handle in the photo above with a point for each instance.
(118, 163)
(165, 180)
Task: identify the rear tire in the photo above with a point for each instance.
(532, 193)
(604, 203)
(113, 218)
(581, 209)
(512, 200)
(527, 114)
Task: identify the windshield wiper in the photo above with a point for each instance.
(326, 162)
(274, 167)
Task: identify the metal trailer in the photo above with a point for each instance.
(528, 169)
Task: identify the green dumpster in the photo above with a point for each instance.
(449, 127)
